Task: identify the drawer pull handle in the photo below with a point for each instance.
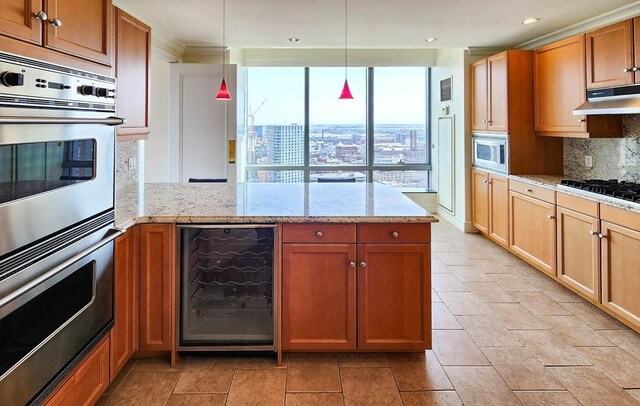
(602, 236)
(362, 264)
(319, 234)
(395, 234)
(593, 232)
(528, 190)
(352, 264)
(550, 217)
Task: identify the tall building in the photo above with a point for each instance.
(285, 146)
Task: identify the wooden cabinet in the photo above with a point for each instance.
(560, 87)
(133, 47)
(532, 234)
(479, 95)
(610, 60)
(498, 96)
(157, 293)
(319, 297)
(124, 334)
(87, 382)
(383, 272)
(20, 20)
(490, 205)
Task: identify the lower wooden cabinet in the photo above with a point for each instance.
(490, 202)
(88, 382)
(319, 297)
(480, 199)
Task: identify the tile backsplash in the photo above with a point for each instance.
(613, 158)
(125, 151)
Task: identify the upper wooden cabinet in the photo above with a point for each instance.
(133, 47)
(560, 87)
(21, 19)
(498, 95)
(479, 95)
(610, 59)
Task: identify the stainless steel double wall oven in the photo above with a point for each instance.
(57, 142)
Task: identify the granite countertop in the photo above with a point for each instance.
(265, 203)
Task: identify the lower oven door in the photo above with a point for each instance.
(46, 323)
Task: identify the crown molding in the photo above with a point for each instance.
(204, 50)
(614, 16)
(485, 50)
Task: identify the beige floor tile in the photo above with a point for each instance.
(618, 364)
(490, 265)
(431, 398)
(455, 347)
(487, 331)
(520, 369)
(447, 283)
(549, 348)
(200, 399)
(594, 317)
(117, 381)
(205, 376)
(480, 386)
(464, 304)
(437, 267)
(442, 319)
(576, 332)
(418, 371)
(547, 398)
(560, 294)
(511, 282)
(628, 340)
(156, 364)
(265, 361)
(591, 387)
(259, 387)
(313, 376)
(507, 258)
(434, 297)
(369, 386)
(314, 399)
(451, 245)
(468, 273)
(453, 258)
(147, 388)
(363, 359)
(104, 399)
(310, 356)
(635, 393)
(489, 292)
(539, 304)
(516, 316)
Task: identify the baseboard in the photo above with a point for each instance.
(460, 224)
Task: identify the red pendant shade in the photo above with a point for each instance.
(223, 93)
(346, 92)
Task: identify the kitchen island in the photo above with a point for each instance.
(351, 264)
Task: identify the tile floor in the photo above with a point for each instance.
(503, 334)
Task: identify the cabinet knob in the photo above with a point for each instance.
(395, 234)
(635, 69)
(602, 236)
(593, 232)
(485, 121)
(41, 15)
(362, 264)
(551, 217)
(352, 264)
(626, 70)
(528, 190)
(485, 181)
(582, 120)
(56, 22)
(319, 234)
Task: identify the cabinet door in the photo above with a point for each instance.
(498, 111)
(579, 252)
(636, 49)
(124, 333)
(133, 44)
(533, 231)
(610, 55)
(18, 20)
(319, 297)
(480, 199)
(394, 297)
(85, 29)
(479, 95)
(499, 209)
(157, 302)
(620, 271)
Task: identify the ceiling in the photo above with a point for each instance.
(372, 23)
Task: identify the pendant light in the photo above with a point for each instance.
(346, 92)
(223, 93)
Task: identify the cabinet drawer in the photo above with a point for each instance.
(394, 233)
(319, 233)
(538, 192)
(584, 206)
(622, 217)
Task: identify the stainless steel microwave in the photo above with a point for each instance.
(491, 152)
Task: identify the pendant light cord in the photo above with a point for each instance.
(345, 39)
(224, 33)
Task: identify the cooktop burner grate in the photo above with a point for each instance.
(629, 191)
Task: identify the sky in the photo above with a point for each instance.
(399, 95)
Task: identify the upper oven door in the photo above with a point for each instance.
(55, 171)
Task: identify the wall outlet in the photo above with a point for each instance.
(132, 163)
(588, 161)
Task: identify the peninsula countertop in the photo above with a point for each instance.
(265, 203)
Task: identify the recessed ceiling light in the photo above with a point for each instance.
(531, 20)
(430, 39)
(294, 39)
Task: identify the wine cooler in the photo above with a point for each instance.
(227, 287)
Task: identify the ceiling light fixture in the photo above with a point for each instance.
(294, 39)
(223, 93)
(531, 20)
(346, 92)
(430, 39)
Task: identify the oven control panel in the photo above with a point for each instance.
(28, 82)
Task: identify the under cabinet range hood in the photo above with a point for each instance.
(611, 100)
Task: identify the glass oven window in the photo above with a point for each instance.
(483, 152)
(29, 169)
(27, 326)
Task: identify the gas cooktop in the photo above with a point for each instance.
(628, 191)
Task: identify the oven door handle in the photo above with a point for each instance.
(116, 232)
(61, 120)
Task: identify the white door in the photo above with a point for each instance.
(446, 163)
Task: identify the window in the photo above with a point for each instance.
(300, 131)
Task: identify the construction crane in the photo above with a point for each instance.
(252, 133)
